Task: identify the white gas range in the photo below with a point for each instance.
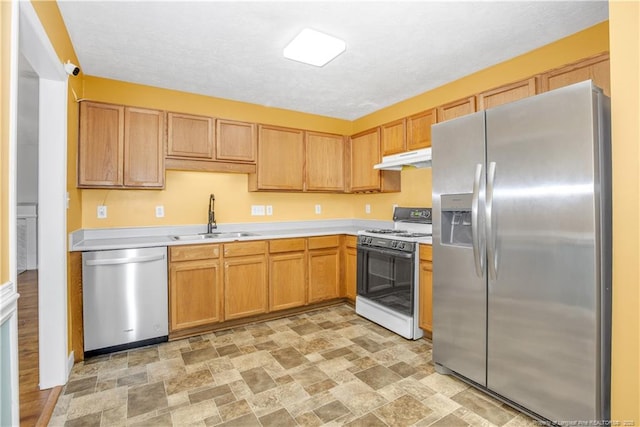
(388, 271)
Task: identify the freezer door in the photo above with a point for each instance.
(543, 254)
(459, 291)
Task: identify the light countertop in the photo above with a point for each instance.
(141, 237)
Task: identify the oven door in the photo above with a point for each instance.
(387, 277)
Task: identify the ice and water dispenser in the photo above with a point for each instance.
(456, 219)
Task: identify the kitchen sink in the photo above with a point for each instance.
(217, 235)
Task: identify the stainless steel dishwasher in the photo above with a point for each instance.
(125, 301)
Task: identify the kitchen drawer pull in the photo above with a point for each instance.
(117, 261)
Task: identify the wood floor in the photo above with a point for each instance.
(35, 405)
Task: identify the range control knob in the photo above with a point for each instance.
(401, 245)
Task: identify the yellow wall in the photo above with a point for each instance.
(5, 44)
(625, 99)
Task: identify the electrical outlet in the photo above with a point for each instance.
(160, 211)
(269, 210)
(257, 210)
(367, 208)
(318, 209)
(102, 212)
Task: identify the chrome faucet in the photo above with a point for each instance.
(211, 225)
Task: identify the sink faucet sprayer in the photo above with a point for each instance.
(212, 215)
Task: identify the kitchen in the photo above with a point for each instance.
(121, 204)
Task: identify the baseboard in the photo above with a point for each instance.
(70, 362)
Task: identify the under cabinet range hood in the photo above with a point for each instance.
(418, 158)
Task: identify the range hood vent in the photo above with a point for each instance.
(418, 158)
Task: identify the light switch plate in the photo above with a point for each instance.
(269, 210)
(257, 210)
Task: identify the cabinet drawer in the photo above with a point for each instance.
(245, 248)
(193, 252)
(324, 242)
(286, 245)
(426, 253)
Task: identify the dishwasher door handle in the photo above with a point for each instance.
(128, 260)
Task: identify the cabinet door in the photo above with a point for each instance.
(425, 320)
(245, 286)
(101, 145)
(324, 162)
(143, 148)
(195, 294)
(350, 272)
(287, 280)
(419, 129)
(235, 141)
(508, 93)
(365, 152)
(189, 136)
(324, 274)
(455, 109)
(280, 159)
(393, 137)
(595, 68)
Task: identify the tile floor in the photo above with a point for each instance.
(325, 367)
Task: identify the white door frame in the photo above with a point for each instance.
(36, 47)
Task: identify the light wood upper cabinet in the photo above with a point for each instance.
(236, 141)
(508, 93)
(143, 148)
(324, 162)
(365, 152)
(280, 159)
(101, 145)
(245, 279)
(287, 274)
(419, 129)
(393, 137)
(455, 109)
(189, 136)
(195, 286)
(595, 68)
(120, 147)
(425, 320)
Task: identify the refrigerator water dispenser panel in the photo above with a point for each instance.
(456, 219)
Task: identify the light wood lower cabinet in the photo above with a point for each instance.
(426, 289)
(245, 279)
(350, 267)
(287, 274)
(324, 268)
(195, 286)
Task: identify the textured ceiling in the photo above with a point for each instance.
(233, 50)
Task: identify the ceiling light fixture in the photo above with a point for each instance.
(313, 47)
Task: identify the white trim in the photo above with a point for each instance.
(52, 283)
(70, 362)
(8, 300)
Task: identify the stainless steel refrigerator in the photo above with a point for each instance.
(522, 252)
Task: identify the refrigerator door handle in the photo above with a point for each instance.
(492, 259)
(478, 254)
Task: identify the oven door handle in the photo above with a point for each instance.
(397, 254)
